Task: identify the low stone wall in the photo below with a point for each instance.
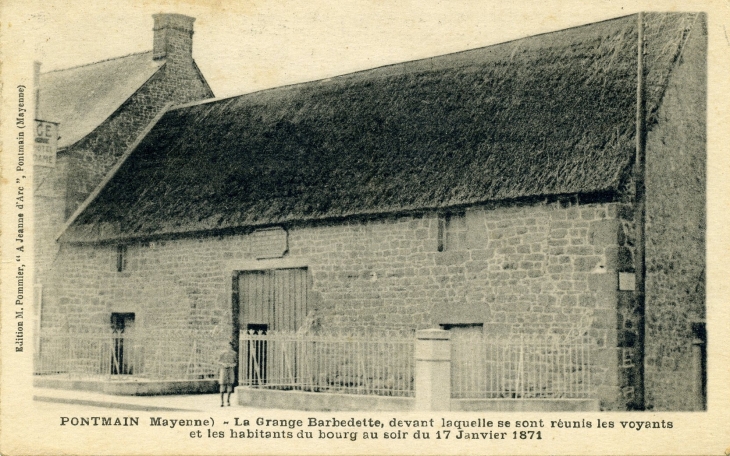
(525, 405)
(324, 402)
(300, 400)
(129, 387)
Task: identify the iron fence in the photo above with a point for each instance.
(367, 364)
(164, 355)
(524, 367)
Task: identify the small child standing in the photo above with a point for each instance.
(227, 362)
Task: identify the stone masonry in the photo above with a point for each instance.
(530, 269)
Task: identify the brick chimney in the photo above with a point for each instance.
(173, 37)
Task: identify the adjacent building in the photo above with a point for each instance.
(100, 109)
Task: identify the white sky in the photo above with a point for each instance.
(247, 45)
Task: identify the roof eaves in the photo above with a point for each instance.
(604, 195)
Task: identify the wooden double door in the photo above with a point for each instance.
(274, 299)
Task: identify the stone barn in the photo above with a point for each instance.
(552, 185)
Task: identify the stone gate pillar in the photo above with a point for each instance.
(433, 369)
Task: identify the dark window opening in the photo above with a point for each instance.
(462, 326)
(123, 352)
(441, 232)
(699, 362)
(121, 258)
(451, 231)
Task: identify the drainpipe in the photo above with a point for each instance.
(640, 221)
(38, 286)
(37, 88)
(699, 366)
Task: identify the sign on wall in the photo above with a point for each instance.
(269, 243)
(46, 143)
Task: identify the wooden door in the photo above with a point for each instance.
(269, 300)
(276, 298)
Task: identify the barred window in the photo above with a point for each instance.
(121, 257)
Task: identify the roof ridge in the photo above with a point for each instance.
(387, 65)
(98, 61)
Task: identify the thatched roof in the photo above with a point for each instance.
(82, 97)
(547, 115)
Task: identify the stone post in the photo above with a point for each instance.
(433, 370)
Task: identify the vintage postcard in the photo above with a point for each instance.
(367, 227)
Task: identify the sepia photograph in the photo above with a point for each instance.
(276, 228)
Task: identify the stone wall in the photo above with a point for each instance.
(49, 203)
(532, 269)
(675, 230)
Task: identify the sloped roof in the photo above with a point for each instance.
(81, 98)
(546, 115)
